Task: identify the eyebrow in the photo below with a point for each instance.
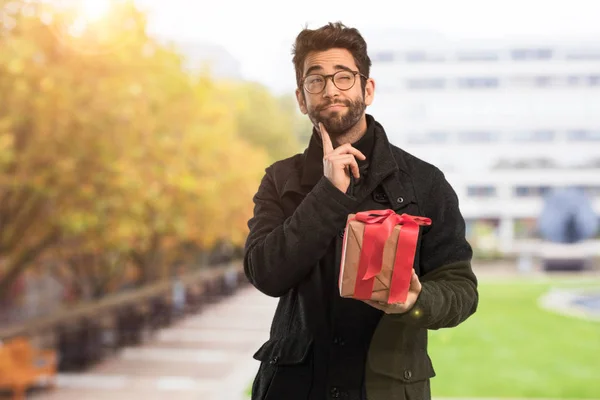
(320, 68)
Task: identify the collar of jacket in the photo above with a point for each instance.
(385, 169)
(312, 159)
(382, 162)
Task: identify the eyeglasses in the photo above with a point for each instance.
(343, 80)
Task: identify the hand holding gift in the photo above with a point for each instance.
(378, 258)
(399, 308)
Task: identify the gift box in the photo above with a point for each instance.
(378, 255)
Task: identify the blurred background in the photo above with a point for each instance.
(133, 135)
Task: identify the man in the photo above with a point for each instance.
(322, 345)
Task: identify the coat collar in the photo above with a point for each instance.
(381, 164)
(374, 144)
(312, 166)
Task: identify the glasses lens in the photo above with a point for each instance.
(314, 83)
(343, 80)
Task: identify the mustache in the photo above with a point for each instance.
(346, 103)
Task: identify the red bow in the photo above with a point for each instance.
(378, 227)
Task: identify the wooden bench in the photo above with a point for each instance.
(22, 367)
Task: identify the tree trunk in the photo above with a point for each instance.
(146, 260)
(24, 260)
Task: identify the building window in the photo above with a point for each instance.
(545, 81)
(478, 83)
(582, 135)
(477, 136)
(483, 234)
(383, 57)
(540, 81)
(426, 83)
(531, 54)
(531, 191)
(593, 163)
(587, 54)
(421, 56)
(535, 136)
(594, 80)
(522, 191)
(574, 80)
(534, 163)
(434, 137)
(481, 191)
(525, 228)
(522, 81)
(589, 80)
(590, 190)
(478, 56)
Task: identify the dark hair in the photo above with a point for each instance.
(330, 36)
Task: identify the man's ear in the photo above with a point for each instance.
(301, 101)
(369, 91)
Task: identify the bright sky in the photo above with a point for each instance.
(259, 33)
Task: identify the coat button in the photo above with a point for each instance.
(407, 374)
(379, 197)
(274, 360)
(338, 341)
(400, 200)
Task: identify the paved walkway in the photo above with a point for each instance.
(207, 356)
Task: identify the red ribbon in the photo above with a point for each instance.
(379, 225)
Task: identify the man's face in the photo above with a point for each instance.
(339, 110)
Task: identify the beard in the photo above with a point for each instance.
(339, 122)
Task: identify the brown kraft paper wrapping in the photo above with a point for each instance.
(350, 260)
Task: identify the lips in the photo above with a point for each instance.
(335, 106)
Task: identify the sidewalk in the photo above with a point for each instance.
(207, 356)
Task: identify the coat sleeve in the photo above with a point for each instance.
(449, 287)
(280, 252)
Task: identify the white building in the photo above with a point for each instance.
(506, 120)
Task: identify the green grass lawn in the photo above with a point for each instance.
(513, 348)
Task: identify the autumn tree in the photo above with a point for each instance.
(113, 154)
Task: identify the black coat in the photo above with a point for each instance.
(324, 346)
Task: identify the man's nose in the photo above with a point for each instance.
(330, 89)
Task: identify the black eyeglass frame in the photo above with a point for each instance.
(332, 76)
